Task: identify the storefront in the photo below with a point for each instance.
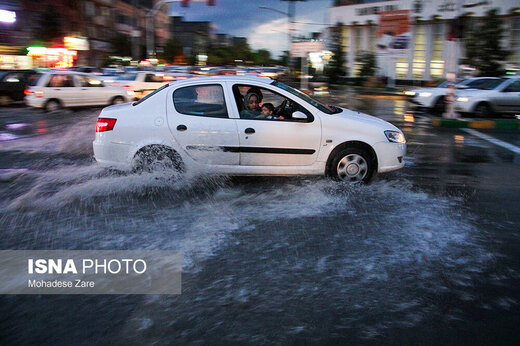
(409, 37)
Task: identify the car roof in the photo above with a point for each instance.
(229, 78)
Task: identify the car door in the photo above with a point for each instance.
(90, 91)
(63, 88)
(276, 142)
(508, 100)
(198, 118)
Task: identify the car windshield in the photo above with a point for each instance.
(324, 108)
(485, 84)
(127, 76)
(151, 94)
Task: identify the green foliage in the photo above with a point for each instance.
(483, 49)
(367, 61)
(172, 49)
(238, 51)
(336, 68)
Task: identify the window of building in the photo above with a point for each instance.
(419, 54)
(372, 38)
(90, 8)
(401, 68)
(437, 63)
(515, 41)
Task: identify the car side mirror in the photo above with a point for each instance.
(299, 116)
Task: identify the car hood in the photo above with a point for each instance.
(429, 90)
(472, 92)
(354, 116)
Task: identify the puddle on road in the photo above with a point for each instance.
(280, 255)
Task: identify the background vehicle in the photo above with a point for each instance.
(140, 82)
(12, 85)
(495, 96)
(200, 124)
(54, 90)
(434, 98)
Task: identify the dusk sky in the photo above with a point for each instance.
(263, 28)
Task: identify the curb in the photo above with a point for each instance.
(477, 124)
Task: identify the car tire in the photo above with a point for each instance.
(482, 110)
(440, 106)
(157, 158)
(352, 164)
(117, 100)
(52, 105)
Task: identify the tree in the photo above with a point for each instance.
(336, 68)
(173, 49)
(367, 61)
(483, 48)
(262, 57)
(122, 45)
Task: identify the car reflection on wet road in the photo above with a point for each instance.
(427, 254)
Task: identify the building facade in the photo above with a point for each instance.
(411, 37)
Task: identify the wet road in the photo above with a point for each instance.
(428, 254)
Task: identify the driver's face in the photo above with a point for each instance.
(252, 103)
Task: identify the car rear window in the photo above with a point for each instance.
(33, 79)
(127, 76)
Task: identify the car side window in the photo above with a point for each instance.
(61, 81)
(201, 100)
(269, 105)
(14, 77)
(514, 87)
(154, 78)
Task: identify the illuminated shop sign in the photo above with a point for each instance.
(7, 16)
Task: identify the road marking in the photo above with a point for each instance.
(493, 140)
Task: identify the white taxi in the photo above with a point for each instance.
(245, 126)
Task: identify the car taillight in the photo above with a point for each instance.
(38, 93)
(105, 124)
(128, 87)
(27, 92)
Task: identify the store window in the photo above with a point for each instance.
(437, 63)
(515, 41)
(419, 56)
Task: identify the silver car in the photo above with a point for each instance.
(497, 96)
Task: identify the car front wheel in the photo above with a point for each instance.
(118, 100)
(482, 110)
(353, 165)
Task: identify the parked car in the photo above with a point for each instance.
(57, 89)
(140, 82)
(200, 125)
(12, 85)
(434, 98)
(501, 95)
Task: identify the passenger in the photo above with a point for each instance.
(267, 112)
(251, 102)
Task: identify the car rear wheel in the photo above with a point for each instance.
(157, 159)
(118, 100)
(52, 105)
(352, 165)
(482, 110)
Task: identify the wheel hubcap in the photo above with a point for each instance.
(352, 167)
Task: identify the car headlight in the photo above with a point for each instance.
(395, 136)
(425, 94)
(462, 99)
(409, 93)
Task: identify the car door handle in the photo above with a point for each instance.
(182, 128)
(249, 131)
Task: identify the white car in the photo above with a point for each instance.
(203, 124)
(435, 98)
(140, 82)
(501, 95)
(57, 89)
